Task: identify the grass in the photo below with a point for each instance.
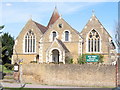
(5, 70)
(30, 88)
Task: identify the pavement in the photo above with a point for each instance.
(22, 85)
(19, 85)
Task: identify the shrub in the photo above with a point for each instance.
(82, 58)
(9, 66)
(33, 61)
(68, 60)
(101, 59)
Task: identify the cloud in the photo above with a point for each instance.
(73, 7)
(8, 4)
(21, 12)
(12, 16)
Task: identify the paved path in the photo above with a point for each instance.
(18, 85)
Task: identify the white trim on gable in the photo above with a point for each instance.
(49, 54)
(53, 43)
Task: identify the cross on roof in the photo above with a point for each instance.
(93, 12)
(30, 16)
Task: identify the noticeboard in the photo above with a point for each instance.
(92, 58)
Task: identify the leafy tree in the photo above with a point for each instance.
(1, 27)
(117, 36)
(7, 46)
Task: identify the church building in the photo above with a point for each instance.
(58, 40)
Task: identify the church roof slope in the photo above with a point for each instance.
(63, 46)
(54, 17)
(41, 27)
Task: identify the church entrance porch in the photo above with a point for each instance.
(55, 56)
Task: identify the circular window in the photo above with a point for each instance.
(60, 25)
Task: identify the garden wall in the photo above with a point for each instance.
(70, 74)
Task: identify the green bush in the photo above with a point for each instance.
(9, 66)
(33, 62)
(68, 60)
(82, 58)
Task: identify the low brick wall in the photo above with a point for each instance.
(70, 74)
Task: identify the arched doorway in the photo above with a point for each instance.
(55, 56)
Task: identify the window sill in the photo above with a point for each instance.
(67, 41)
(94, 52)
(29, 53)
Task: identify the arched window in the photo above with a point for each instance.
(54, 34)
(93, 41)
(66, 36)
(30, 42)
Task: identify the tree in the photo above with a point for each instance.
(1, 27)
(117, 36)
(7, 46)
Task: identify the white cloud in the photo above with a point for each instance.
(12, 16)
(70, 8)
(19, 14)
(8, 4)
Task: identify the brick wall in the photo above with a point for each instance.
(70, 74)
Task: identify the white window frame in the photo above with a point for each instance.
(51, 35)
(63, 36)
(24, 43)
(87, 42)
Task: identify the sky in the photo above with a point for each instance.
(14, 15)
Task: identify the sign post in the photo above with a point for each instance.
(92, 58)
(16, 72)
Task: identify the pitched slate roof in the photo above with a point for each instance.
(54, 17)
(41, 27)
